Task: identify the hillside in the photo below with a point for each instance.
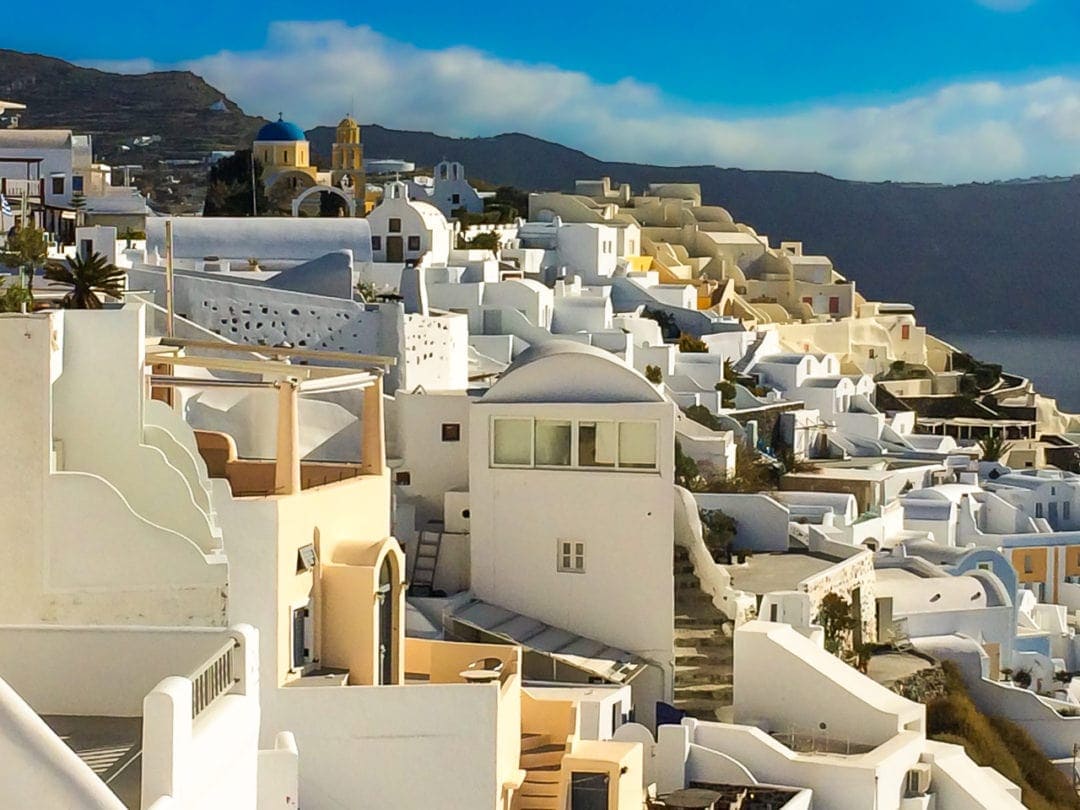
(972, 258)
(116, 108)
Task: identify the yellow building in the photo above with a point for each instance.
(347, 156)
(285, 154)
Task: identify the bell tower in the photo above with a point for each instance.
(347, 158)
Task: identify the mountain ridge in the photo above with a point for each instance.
(974, 257)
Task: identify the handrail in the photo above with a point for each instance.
(214, 678)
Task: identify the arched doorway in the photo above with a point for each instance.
(386, 622)
(350, 201)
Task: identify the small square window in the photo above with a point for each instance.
(376, 243)
(77, 183)
(402, 478)
(455, 199)
(451, 432)
(414, 243)
(571, 557)
(394, 225)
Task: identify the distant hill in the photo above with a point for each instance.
(972, 258)
(116, 108)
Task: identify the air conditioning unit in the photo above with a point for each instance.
(918, 779)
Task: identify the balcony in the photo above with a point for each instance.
(120, 715)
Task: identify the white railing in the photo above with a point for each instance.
(14, 189)
(217, 677)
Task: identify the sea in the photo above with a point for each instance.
(1052, 362)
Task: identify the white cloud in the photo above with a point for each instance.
(314, 72)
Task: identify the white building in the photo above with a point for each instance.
(50, 167)
(403, 229)
(570, 431)
(448, 190)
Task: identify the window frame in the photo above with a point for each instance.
(573, 552)
(532, 443)
(412, 243)
(450, 431)
(575, 441)
(573, 448)
(376, 243)
(393, 225)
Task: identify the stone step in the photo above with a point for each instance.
(544, 755)
(687, 620)
(703, 643)
(547, 774)
(713, 674)
(718, 694)
(530, 742)
(531, 788)
(691, 596)
(536, 802)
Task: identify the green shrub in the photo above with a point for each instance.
(690, 344)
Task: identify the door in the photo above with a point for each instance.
(588, 791)
(1052, 515)
(385, 605)
(395, 249)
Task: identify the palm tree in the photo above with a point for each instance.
(994, 447)
(87, 276)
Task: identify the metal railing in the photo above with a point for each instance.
(215, 678)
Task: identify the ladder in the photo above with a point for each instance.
(427, 559)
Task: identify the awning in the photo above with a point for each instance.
(591, 656)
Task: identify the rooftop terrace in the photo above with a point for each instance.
(765, 573)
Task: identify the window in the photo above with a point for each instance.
(637, 445)
(376, 243)
(1038, 510)
(305, 558)
(571, 557)
(774, 612)
(834, 305)
(871, 354)
(597, 444)
(402, 478)
(284, 155)
(77, 183)
(451, 432)
(1029, 564)
(1066, 508)
(455, 198)
(394, 225)
(414, 243)
(58, 185)
(302, 629)
(905, 332)
(552, 443)
(985, 566)
(512, 442)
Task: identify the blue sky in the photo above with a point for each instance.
(946, 90)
